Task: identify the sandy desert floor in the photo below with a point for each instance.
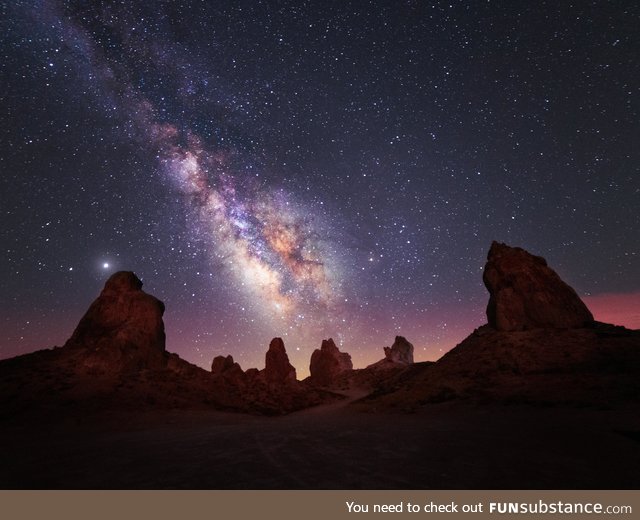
(444, 446)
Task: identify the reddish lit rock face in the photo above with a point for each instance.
(400, 352)
(123, 328)
(527, 294)
(277, 369)
(328, 362)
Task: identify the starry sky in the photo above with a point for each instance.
(311, 169)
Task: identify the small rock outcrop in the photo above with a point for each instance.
(277, 368)
(525, 293)
(122, 329)
(327, 363)
(227, 368)
(400, 352)
(222, 364)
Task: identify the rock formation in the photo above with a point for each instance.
(527, 294)
(123, 328)
(541, 346)
(277, 369)
(271, 391)
(598, 365)
(327, 363)
(252, 373)
(400, 352)
(116, 359)
(226, 368)
(222, 364)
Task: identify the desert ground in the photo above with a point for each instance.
(453, 445)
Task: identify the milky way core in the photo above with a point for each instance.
(264, 242)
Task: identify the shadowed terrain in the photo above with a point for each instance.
(442, 446)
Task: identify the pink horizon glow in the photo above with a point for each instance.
(619, 309)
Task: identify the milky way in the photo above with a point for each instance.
(267, 246)
(273, 250)
(312, 170)
(270, 249)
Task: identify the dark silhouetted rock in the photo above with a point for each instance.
(252, 373)
(400, 352)
(123, 328)
(277, 369)
(184, 369)
(541, 346)
(271, 391)
(397, 359)
(527, 294)
(328, 363)
(222, 364)
(597, 365)
(225, 367)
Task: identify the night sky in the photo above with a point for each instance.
(313, 169)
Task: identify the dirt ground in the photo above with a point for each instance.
(441, 446)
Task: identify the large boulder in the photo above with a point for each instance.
(400, 352)
(526, 294)
(328, 363)
(277, 368)
(122, 329)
